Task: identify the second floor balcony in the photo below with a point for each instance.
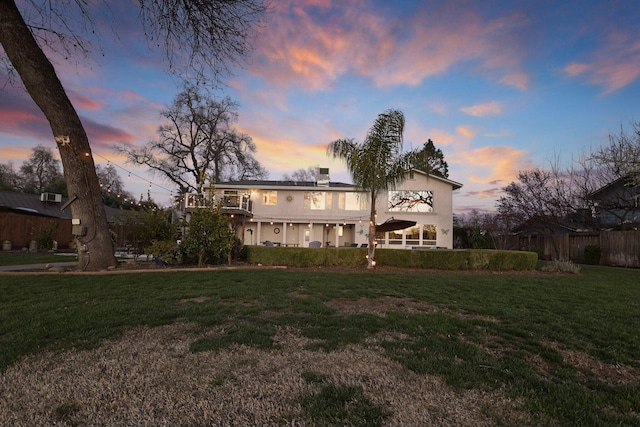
(232, 204)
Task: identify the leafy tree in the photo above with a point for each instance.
(112, 187)
(145, 225)
(41, 173)
(209, 238)
(431, 160)
(199, 143)
(301, 175)
(198, 38)
(377, 163)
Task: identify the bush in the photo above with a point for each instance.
(561, 267)
(44, 240)
(592, 254)
(209, 239)
(165, 249)
(472, 259)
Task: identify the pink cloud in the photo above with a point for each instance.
(313, 43)
(487, 165)
(104, 136)
(614, 65)
(480, 110)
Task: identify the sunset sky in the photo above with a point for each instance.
(499, 86)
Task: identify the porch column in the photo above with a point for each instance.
(259, 233)
(284, 233)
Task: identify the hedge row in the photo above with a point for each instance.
(457, 259)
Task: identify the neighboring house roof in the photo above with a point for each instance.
(30, 204)
(604, 191)
(539, 225)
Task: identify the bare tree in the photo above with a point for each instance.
(300, 175)
(8, 177)
(198, 144)
(112, 187)
(41, 172)
(198, 38)
(608, 179)
(542, 201)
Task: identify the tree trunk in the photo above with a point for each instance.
(371, 248)
(95, 250)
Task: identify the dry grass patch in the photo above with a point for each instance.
(200, 299)
(605, 373)
(149, 377)
(380, 306)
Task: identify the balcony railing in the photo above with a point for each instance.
(231, 204)
(236, 204)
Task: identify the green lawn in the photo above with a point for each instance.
(518, 334)
(18, 258)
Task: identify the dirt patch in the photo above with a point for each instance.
(149, 377)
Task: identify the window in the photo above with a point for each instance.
(411, 201)
(317, 200)
(413, 235)
(429, 234)
(269, 197)
(352, 201)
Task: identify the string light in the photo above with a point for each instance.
(111, 164)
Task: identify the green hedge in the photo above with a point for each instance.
(458, 259)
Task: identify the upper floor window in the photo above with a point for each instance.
(411, 201)
(269, 197)
(352, 201)
(317, 200)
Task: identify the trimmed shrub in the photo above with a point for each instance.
(561, 267)
(457, 259)
(592, 254)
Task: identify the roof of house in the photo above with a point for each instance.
(625, 181)
(271, 184)
(31, 204)
(313, 184)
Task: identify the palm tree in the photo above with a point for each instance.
(377, 163)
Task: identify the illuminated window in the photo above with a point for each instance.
(269, 197)
(411, 201)
(317, 200)
(352, 201)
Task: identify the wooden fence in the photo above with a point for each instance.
(20, 229)
(618, 248)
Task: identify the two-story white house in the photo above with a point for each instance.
(292, 213)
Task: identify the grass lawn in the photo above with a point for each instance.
(19, 258)
(565, 349)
